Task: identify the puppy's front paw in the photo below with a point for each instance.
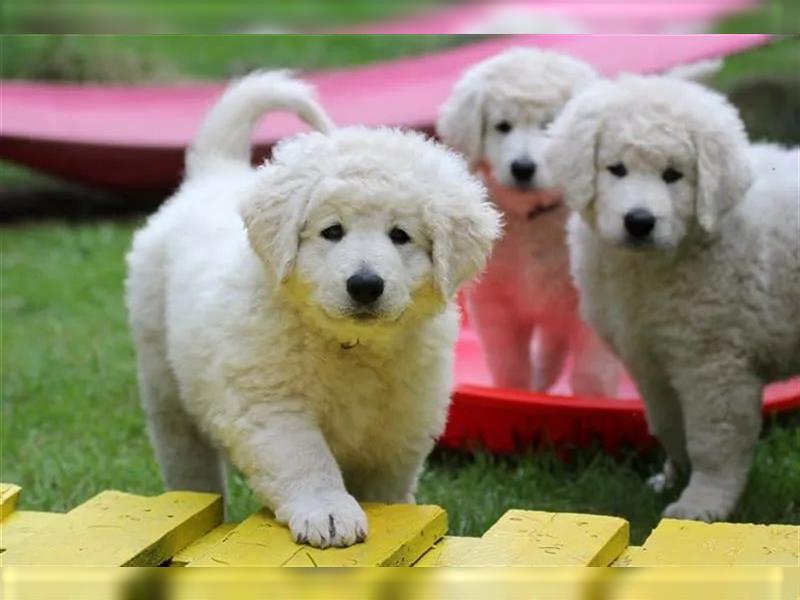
(694, 512)
(322, 520)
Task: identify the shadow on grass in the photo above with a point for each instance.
(23, 203)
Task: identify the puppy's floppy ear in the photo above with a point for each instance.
(462, 233)
(273, 216)
(724, 173)
(461, 119)
(571, 153)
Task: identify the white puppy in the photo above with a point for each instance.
(299, 318)
(684, 245)
(497, 116)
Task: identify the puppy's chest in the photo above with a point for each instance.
(530, 265)
(363, 406)
(639, 306)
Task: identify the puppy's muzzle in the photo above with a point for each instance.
(365, 287)
(639, 223)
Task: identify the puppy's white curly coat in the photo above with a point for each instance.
(249, 347)
(526, 292)
(704, 309)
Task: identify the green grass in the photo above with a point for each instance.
(145, 58)
(72, 426)
(175, 16)
(780, 58)
(769, 16)
(764, 84)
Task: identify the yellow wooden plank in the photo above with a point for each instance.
(200, 546)
(540, 538)
(528, 538)
(23, 523)
(9, 495)
(116, 529)
(627, 557)
(451, 550)
(398, 535)
(685, 543)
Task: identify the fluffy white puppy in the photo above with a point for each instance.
(684, 244)
(298, 318)
(497, 116)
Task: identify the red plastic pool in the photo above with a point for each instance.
(504, 421)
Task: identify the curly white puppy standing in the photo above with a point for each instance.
(299, 318)
(497, 116)
(684, 244)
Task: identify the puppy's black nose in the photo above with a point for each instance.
(523, 170)
(365, 287)
(639, 222)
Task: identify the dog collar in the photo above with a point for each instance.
(540, 210)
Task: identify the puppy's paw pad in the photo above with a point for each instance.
(326, 520)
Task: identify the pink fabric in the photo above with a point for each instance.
(406, 92)
(615, 16)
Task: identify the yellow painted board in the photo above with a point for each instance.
(534, 538)
(628, 555)
(200, 546)
(686, 543)
(450, 551)
(23, 523)
(118, 529)
(9, 495)
(485, 552)
(398, 535)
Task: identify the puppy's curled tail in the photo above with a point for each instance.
(702, 71)
(225, 134)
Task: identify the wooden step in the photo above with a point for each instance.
(398, 535)
(185, 529)
(118, 529)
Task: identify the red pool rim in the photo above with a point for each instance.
(505, 421)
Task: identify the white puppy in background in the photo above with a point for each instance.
(299, 318)
(684, 245)
(497, 116)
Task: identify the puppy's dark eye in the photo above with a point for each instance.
(334, 233)
(398, 236)
(503, 127)
(618, 170)
(671, 175)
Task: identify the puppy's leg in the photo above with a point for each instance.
(550, 350)
(596, 370)
(506, 343)
(391, 484)
(188, 462)
(722, 416)
(394, 482)
(283, 454)
(664, 419)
